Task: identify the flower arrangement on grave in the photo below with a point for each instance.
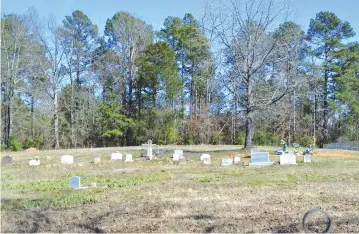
(284, 146)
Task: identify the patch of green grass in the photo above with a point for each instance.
(63, 201)
(49, 185)
(208, 179)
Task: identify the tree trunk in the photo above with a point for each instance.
(72, 115)
(9, 122)
(249, 130)
(56, 122)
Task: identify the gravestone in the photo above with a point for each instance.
(237, 159)
(149, 146)
(203, 156)
(180, 153)
(260, 159)
(207, 160)
(307, 158)
(75, 182)
(6, 160)
(288, 158)
(116, 156)
(176, 157)
(67, 159)
(34, 162)
(97, 158)
(227, 161)
(128, 158)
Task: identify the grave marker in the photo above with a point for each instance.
(67, 159)
(237, 159)
(307, 158)
(116, 156)
(180, 153)
(288, 158)
(207, 160)
(203, 156)
(34, 162)
(260, 159)
(176, 157)
(75, 182)
(149, 146)
(6, 160)
(128, 158)
(97, 158)
(227, 161)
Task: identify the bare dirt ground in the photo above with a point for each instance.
(160, 196)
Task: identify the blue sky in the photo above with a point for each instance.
(155, 11)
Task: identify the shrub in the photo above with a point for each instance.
(172, 136)
(14, 144)
(3, 147)
(240, 138)
(189, 140)
(305, 140)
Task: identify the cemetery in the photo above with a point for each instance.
(154, 188)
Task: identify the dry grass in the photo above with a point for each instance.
(160, 196)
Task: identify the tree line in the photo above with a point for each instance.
(241, 74)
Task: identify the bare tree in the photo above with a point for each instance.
(245, 31)
(48, 34)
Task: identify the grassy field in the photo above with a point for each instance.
(161, 196)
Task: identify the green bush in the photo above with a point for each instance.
(266, 137)
(14, 144)
(172, 136)
(240, 138)
(189, 140)
(305, 140)
(218, 137)
(3, 147)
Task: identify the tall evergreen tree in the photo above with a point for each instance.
(326, 34)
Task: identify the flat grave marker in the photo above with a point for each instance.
(67, 159)
(260, 159)
(237, 159)
(116, 156)
(34, 162)
(203, 156)
(227, 161)
(207, 160)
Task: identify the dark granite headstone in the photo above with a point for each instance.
(6, 160)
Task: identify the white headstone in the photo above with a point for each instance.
(227, 161)
(180, 153)
(97, 158)
(288, 158)
(176, 157)
(307, 158)
(203, 156)
(149, 149)
(75, 182)
(207, 160)
(67, 159)
(34, 162)
(260, 159)
(128, 158)
(237, 159)
(116, 156)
